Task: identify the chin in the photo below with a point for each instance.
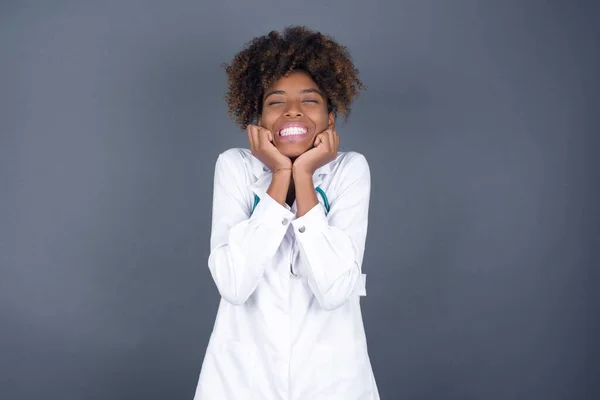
(292, 152)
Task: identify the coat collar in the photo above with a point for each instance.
(263, 175)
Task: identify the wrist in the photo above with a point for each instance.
(282, 174)
(300, 172)
(288, 170)
(280, 183)
(280, 164)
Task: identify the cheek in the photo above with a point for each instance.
(321, 121)
(318, 114)
(267, 120)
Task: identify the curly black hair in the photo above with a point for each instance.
(267, 58)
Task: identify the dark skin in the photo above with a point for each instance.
(294, 98)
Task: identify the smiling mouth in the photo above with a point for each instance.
(293, 131)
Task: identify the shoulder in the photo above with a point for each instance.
(236, 154)
(351, 163)
(236, 157)
(350, 170)
(233, 166)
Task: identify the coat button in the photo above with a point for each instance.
(265, 169)
(301, 229)
(284, 221)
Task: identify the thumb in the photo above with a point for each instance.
(317, 140)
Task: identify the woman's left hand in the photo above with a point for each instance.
(325, 150)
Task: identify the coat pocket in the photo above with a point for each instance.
(342, 371)
(228, 372)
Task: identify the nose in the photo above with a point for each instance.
(293, 110)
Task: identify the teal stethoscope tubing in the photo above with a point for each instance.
(318, 189)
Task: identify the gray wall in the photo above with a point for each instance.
(479, 125)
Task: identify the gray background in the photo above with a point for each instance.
(479, 125)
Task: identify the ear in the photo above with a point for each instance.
(331, 121)
(259, 121)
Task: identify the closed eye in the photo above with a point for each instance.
(280, 102)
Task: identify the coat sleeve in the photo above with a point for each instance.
(241, 244)
(332, 246)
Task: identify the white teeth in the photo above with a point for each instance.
(292, 131)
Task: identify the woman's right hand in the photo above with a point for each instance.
(262, 147)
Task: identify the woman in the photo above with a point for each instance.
(289, 226)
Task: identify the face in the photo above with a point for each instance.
(295, 111)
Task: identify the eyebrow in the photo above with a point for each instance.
(302, 91)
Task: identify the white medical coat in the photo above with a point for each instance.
(289, 323)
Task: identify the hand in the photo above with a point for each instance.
(262, 147)
(325, 150)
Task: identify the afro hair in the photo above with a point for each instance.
(267, 58)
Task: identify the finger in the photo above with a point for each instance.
(331, 137)
(318, 139)
(336, 140)
(249, 130)
(256, 138)
(325, 140)
(331, 142)
(264, 137)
